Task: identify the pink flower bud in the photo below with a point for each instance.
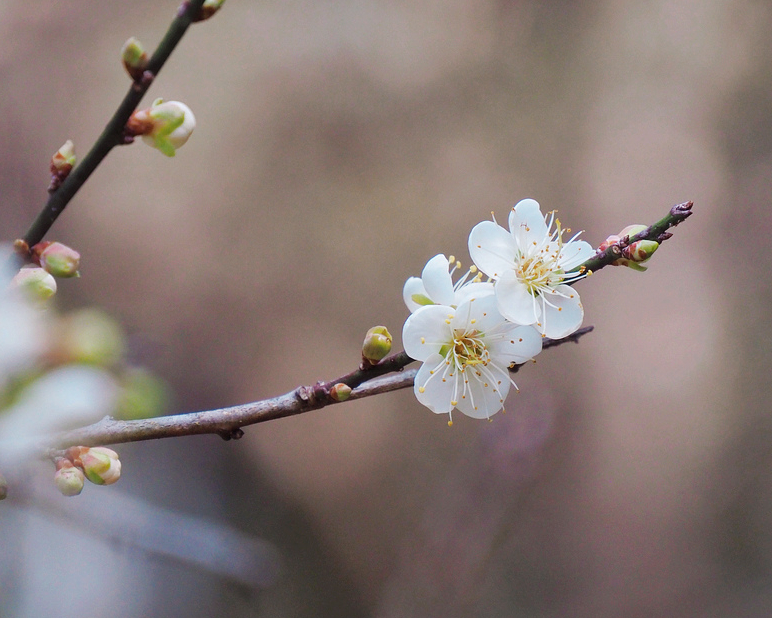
(68, 479)
(101, 465)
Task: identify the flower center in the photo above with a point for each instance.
(538, 272)
(469, 349)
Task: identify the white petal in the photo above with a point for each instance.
(437, 281)
(426, 331)
(413, 287)
(485, 393)
(518, 345)
(492, 249)
(574, 253)
(434, 390)
(480, 314)
(515, 302)
(473, 290)
(565, 316)
(526, 223)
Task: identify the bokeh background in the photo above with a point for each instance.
(340, 145)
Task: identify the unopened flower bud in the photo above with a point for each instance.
(642, 250)
(36, 282)
(3, 488)
(632, 230)
(165, 126)
(134, 58)
(57, 259)
(209, 8)
(68, 479)
(377, 344)
(61, 165)
(611, 240)
(340, 392)
(101, 465)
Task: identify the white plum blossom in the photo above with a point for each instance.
(435, 285)
(466, 353)
(530, 265)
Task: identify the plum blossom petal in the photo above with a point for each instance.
(515, 301)
(492, 249)
(434, 394)
(426, 331)
(436, 287)
(413, 292)
(437, 280)
(574, 253)
(562, 312)
(527, 222)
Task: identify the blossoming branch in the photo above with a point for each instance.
(470, 331)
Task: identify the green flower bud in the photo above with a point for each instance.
(57, 259)
(377, 344)
(3, 488)
(101, 465)
(68, 479)
(165, 126)
(36, 282)
(642, 250)
(134, 58)
(340, 392)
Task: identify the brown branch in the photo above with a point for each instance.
(228, 422)
(113, 133)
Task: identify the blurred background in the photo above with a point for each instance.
(339, 146)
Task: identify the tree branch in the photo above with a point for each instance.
(657, 232)
(228, 422)
(113, 133)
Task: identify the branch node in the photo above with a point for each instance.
(231, 434)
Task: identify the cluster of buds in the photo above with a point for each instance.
(166, 125)
(633, 254)
(98, 464)
(49, 260)
(376, 346)
(61, 165)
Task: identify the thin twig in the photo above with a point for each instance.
(657, 232)
(228, 422)
(113, 134)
